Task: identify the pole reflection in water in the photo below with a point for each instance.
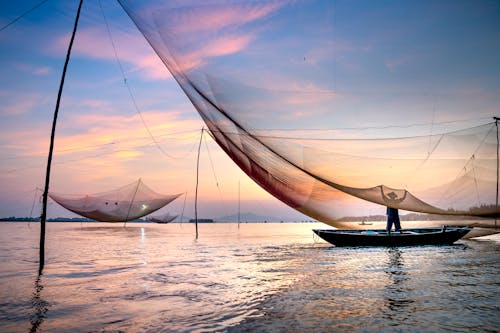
(39, 306)
(396, 292)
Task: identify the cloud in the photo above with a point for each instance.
(127, 134)
(193, 34)
(210, 18)
(21, 102)
(33, 69)
(42, 71)
(394, 63)
(19, 107)
(133, 49)
(222, 45)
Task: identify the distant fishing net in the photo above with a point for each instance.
(261, 73)
(165, 218)
(126, 203)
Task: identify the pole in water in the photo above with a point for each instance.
(239, 204)
(196, 191)
(43, 217)
(498, 144)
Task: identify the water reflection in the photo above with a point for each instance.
(39, 306)
(397, 294)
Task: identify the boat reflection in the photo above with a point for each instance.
(397, 293)
(39, 306)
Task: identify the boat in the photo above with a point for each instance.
(446, 235)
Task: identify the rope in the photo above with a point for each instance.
(130, 90)
(183, 206)
(132, 201)
(466, 164)
(215, 176)
(246, 133)
(23, 15)
(475, 180)
(431, 129)
(196, 189)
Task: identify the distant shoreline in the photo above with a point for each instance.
(262, 219)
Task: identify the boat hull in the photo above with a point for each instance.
(408, 237)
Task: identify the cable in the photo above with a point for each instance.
(130, 90)
(464, 168)
(475, 181)
(215, 176)
(281, 137)
(22, 15)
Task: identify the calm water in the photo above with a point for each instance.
(258, 278)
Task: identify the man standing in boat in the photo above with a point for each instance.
(393, 217)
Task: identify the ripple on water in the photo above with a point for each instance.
(159, 279)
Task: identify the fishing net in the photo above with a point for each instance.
(126, 203)
(166, 218)
(300, 94)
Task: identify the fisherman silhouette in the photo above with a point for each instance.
(392, 216)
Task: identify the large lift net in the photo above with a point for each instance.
(126, 203)
(264, 74)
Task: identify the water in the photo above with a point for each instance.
(258, 278)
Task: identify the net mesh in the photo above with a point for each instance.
(166, 218)
(126, 203)
(260, 72)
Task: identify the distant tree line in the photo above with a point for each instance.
(406, 217)
(55, 219)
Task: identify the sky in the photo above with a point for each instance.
(127, 118)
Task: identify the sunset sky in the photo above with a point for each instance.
(106, 137)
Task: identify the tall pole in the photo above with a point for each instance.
(43, 217)
(498, 144)
(239, 204)
(196, 191)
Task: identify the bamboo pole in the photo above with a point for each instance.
(43, 217)
(196, 191)
(498, 144)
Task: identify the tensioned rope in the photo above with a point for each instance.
(281, 137)
(130, 90)
(464, 168)
(361, 128)
(23, 15)
(132, 202)
(215, 176)
(183, 207)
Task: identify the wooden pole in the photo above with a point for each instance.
(196, 191)
(498, 144)
(43, 217)
(239, 203)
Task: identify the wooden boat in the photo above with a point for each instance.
(407, 237)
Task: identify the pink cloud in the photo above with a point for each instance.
(221, 46)
(196, 33)
(34, 70)
(17, 103)
(19, 107)
(131, 48)
(42, 70)
(203, 18)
